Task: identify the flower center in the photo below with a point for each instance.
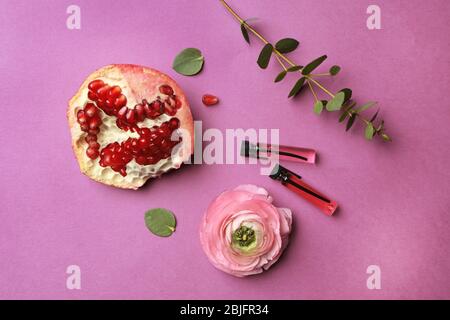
(244, 236)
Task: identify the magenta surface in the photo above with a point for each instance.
(394, 198)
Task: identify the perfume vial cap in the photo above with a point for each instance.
(249, 150)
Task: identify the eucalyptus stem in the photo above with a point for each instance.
(308, 77)
(281, 63)
(317, 83)
(316, 98)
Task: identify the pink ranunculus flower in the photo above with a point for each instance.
(243, 233)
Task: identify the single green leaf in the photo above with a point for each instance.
(343, 116)
(160, 222)
(365, 107)
(286, 45)
(386, 137)
(348, 94)
(310, 67)
(188, 62)
(297, 87)
(370, 130)
(374, 116)
(245, 33)
(350, 122)
(318, 107)
(337, 102)
(264, 56)
(295, 68)
(347, 110)
(281, 76)
(334, 70)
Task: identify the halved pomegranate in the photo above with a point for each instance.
(130, 123)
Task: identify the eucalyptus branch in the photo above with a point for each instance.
(339, 101)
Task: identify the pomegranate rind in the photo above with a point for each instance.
(138, 83)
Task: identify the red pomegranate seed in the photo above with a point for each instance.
(95, 123)
(178, 103)
(93, 131)
(122, 113)
(90, 110)
(171, 111)
(165, 89)
(210, 100)
(95, 85)
(131, 116)
(94, 144)
(140, 112)
(90, 137)
(92, 153)
(92, 96)
(114, 92)
(102, 93)
(120, 101)
(81, 117)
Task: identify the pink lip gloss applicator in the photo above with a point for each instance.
(267, 151)
(295, 183)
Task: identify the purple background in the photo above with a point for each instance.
(394, 197)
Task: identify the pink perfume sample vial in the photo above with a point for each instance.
(268, 151)
(295, 183)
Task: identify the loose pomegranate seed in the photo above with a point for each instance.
(165, 89)
(210, 100)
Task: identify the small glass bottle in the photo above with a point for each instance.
(295, 183)
(268, 151)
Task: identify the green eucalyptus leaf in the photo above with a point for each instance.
(334, 70)
(347, 110)
(374, 116)
(295, 68)
(264, 56)
(245, 33)
(286, 45)
(350, 122)
(188, 62)
(365, 107)
(281, 76)
(370, 131)
(297, 87)
(343, 116)
(337, 102)
(310, 67)
(160, 222)
(348, 94)
(318, 107)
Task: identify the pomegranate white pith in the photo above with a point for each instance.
(103, 130)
